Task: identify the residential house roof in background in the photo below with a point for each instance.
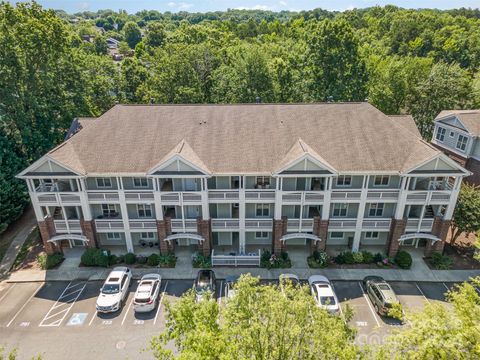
(469, 118)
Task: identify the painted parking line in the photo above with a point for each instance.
(7, 291)
(421, 292)
(160, 303)
(61, 307)
(369, 305)
(446, 287)
(93, 318)
(220, 293)
(24, 304)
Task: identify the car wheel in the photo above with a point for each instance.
(377, 309)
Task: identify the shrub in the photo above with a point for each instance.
(112, 260)
(141, 259)
(120, 259)
(345, 257)
(317, 260)
(96, 257)
(272, 261)
(153, 260)
(49, 261)
(130, 258)
(378, 258)
(88, 257)
(367, 257)
(357, 257)
(441, 262)
(167, 260)
(403, 259)
(201, 261)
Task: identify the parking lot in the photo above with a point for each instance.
(59, 318)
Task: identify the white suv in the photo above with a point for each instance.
(323, 293)
(114, 291)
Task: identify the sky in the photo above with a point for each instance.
(133, 6)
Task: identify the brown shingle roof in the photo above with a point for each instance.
(249, 138)
(407, 122)
(469, 118)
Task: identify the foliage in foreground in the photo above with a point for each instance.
(259, 322)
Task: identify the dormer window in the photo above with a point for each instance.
(440, 136)
(462, 142)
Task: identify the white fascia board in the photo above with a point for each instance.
(450, 127)
(442, 157)
(40, 161)
(308, 157)
(176, 157)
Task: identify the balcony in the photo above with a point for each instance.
(259, 224)
(108, 225)
(223, 195)
(57, 186)
(428, 196)
(376, 224)
(136, 196)
(102, 197)
(383, 195)
(67, 226)
(56, 198)
(184, 225)
(225, 224)
(346, 195)
(175, 198)
(252, 259)
(342, 224)
(143, 224)
(299, 225)
(263, 195)
(413, 225)
(309, 197)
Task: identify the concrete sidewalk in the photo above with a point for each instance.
(27, 224)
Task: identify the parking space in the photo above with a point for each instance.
(14, 301)
(434, 291)
(409, 294)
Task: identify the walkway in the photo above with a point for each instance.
(23, 226)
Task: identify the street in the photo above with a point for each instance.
(58, 319)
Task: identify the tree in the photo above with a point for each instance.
(132, 33)
(337, 69)
(155, 35)
(466, 217)
(132, 75)
(438, 331)
(259, 322)
(100, 43)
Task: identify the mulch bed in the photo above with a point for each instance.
(30, 261)
(462, 257)
(360, 266)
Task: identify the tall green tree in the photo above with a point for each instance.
(156, 34)
(259, 322)
(337, 68)
(132, 33)
(466, 217)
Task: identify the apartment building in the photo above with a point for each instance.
(233, 179)
(457, 134)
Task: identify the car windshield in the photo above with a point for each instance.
(110, 289)
(384, 287)
(327, 300)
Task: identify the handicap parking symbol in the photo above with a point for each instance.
(77, 319)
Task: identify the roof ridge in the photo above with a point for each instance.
(245, 104)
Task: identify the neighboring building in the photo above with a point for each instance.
(238, 178)
(457, 133)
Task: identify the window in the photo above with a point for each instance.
(144, 210)
(114, 236)
(336, 235)
(140, 182)
(371, 235)
(340, 210)
(440, 136)
(263, 182)
(147, 236)
(263, 210)
(452, 134)
(109, 210)
(344, 180)
(104, 182)
(261, 235)
(462, 142)
(382, 180)
(376, 209)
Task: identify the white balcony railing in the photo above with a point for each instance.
(225, 195)
(109, 224)
(300, 225)
(314, 196)
(143, 224)
(47, 198)
(291, 197)
(346, 194)
(61, 226)
(252, 259)
(384, 195)
(225, 224)
(259, 224)
(342, 224)
(184, 225)
(265, 195)
(98, 196)
(413, 225)
(139, 196)
(174, 197)
(376, 224)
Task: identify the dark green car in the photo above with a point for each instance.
(380, 293)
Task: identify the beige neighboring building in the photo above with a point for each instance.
(233, 179)
(457, 134)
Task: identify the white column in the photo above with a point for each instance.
(205, 207)
(360, 215)
(326, 198)
(157, 199)
(278, 198)
(87, 212)
(124, 211)
(453, 198)
(241, 214)
(402, 197)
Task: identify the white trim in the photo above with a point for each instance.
(439, 120)
(419, 235)
(175, 157)
(381, 185)
(68, 237)
(291, 236)
(40, 162)
(442, 157)
(306, 156)
(190, 236)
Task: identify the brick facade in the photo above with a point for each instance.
(320, 228)
(440, 229)
(45, 229)
(164, 228)
(397, 229)
(88, 229)
(204, 229)
(279, 229)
